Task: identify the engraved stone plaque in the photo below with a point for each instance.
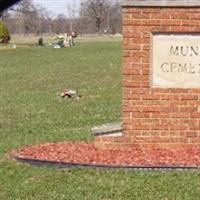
(175, 60)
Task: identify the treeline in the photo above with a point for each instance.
(94, 16)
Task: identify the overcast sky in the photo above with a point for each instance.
(58, 6)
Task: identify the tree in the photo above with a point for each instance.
(104, 14)
(60, 24)
(95, 10)
(95, 16)
(28, 16)
(114, 20)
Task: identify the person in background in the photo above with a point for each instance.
(71, 38)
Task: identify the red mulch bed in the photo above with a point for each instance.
(86, 153)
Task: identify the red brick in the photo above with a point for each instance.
(155, 117)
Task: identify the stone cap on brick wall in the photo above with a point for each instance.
(161, 3)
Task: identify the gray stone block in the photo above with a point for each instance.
(161, 3)
(108, 129)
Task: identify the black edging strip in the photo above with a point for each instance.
(57, 164)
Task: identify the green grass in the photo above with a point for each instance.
(31, 112)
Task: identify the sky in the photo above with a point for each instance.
(58, 6)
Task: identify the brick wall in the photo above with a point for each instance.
(155, 117)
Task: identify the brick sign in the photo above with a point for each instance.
(161, 75)
(176, 60)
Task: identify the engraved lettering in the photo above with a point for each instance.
(194, 51)
(180, 68)
(192, 69)
(174, 50)
(174, 67)
(165, 67)
(176, 60)
(183, 67)
(184, 50)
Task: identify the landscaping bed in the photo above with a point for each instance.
(85, 154)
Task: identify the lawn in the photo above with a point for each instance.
(31, 112)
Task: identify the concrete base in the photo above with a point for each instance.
(110, 129)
